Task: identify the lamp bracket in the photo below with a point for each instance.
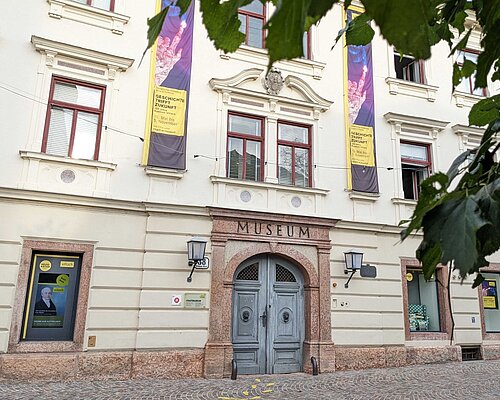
(350, 277)
(197, 264)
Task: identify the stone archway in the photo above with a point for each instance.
(231, 245)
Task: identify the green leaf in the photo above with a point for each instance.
(462, 44)
(285, 30)
(183, 5)
(430, 257)
(457, 74)
(154, 28)
(405, 24)
(478, 280)
(431, 193)
(468, 68)
(485, 111)
(222, 23)
(459, 21)
(454, 169)
(359, 31)
(459, 241)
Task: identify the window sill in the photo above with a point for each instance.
(268, 185)
(163, 173)
(258, 56)
(428, 336)
(466, 99)
(353, 195)
(268, 197)
(31, 155)
(408, 88)
(89, 15)
(406, 202)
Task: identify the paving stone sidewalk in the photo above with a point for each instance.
(468, 380)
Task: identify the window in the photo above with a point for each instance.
(415, 167)
(74, 119)
(103, 4)
(294, 154)
(306, 45)
(245, 149)
(252, 18)
(423, 302)
(409, 69)
(489, 298)
(466, 85)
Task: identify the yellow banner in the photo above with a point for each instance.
(169, 111)
(361, 143)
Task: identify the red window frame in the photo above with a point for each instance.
(295, 145)
(111, 5)
(411, 161)
(76, 108)
(421, 66)
(245, 137)
(262, 17)
(469, 79)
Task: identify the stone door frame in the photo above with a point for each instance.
(231, 225)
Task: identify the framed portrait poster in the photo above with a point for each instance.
(490, 297)
(51, 297)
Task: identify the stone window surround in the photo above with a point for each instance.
(73, 62)
(84, 13)
(399, 86)
(412, 129)
(444, 308)
(218, 350)
(30, 246)
(493, 269)
(235, 98)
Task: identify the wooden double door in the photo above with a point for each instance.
(268, 316)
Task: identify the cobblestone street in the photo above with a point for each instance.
(468, 380)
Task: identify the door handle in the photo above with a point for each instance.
(264, 318)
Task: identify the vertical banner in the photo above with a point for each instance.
(165, 139)
(360, 115)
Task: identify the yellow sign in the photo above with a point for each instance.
(45, 265)
(169, 111)
(67, 264)
(62, 280)
(58, 290)
(409, 276)
(489, 302)
(362, 149)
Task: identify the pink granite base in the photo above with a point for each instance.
(393, 356)
(171, 364)
(490, 352)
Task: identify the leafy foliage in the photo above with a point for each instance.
(460, 221)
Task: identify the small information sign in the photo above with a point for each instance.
(195, 300)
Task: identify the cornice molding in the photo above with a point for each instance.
(53, 48)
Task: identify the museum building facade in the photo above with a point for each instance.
(111, 168)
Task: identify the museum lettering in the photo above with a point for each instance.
(285, 230)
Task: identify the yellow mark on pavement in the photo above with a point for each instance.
(255, 398)
(270, 384)
(254, 386)
(267, 391)
(245, 392)
(257, 380)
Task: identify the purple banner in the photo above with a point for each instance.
(170, 97)
(361, 116)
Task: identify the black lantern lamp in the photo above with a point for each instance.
(354, 263)
(196, 255)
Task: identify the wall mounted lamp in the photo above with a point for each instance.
(354, 263)
(196, 255)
